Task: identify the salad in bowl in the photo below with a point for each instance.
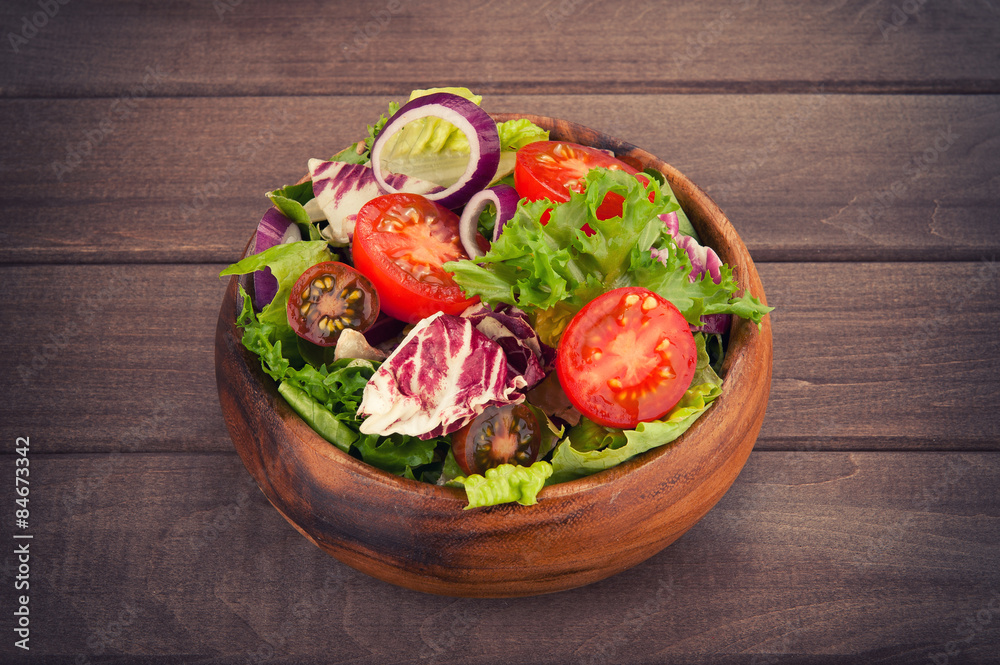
(473, 311)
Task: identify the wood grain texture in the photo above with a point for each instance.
(838, 557)
(802, 177)
(555, 46)
(867, 356)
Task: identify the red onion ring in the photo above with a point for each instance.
(475, 123)
(504, 197)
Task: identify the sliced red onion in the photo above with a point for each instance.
(475, 123)
(503, 197)
(274, 229)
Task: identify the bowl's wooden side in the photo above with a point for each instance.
(418, 535)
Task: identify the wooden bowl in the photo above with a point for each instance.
(418, 536)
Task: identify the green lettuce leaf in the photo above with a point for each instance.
(373, 130)
(327, 398)
(450, 470)
(553, 270)
(290, 200)
(287, 263)
(590, 448)
(515, 134)
(683, 223)
(351, 155)
(506, 483)
(317, 416)
(396, 453)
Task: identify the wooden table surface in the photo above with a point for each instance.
(854, 145)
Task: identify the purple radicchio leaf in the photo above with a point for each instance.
(341, 189)
(509, 327)
(442, 375)
(703, 259)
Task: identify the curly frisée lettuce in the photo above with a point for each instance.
(589, 448)
(552, 270)
(504, 484)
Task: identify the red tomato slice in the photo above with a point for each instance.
(401, 243)
(551, 169)
(627, 357)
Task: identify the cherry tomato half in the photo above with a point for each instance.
(328, 298)
(499, 435)
(401, 242)
(551, 169)
(627, 357)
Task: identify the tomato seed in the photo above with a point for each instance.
(631, 299)
(614, 384)
(649, 303)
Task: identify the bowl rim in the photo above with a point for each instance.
(735, 362)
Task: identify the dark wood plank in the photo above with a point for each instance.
(834, 557)
(118, 358)
(884, 355)
(803, 177)
(866, 356)
(254, 48)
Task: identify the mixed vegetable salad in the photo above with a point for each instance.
(468, 303)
